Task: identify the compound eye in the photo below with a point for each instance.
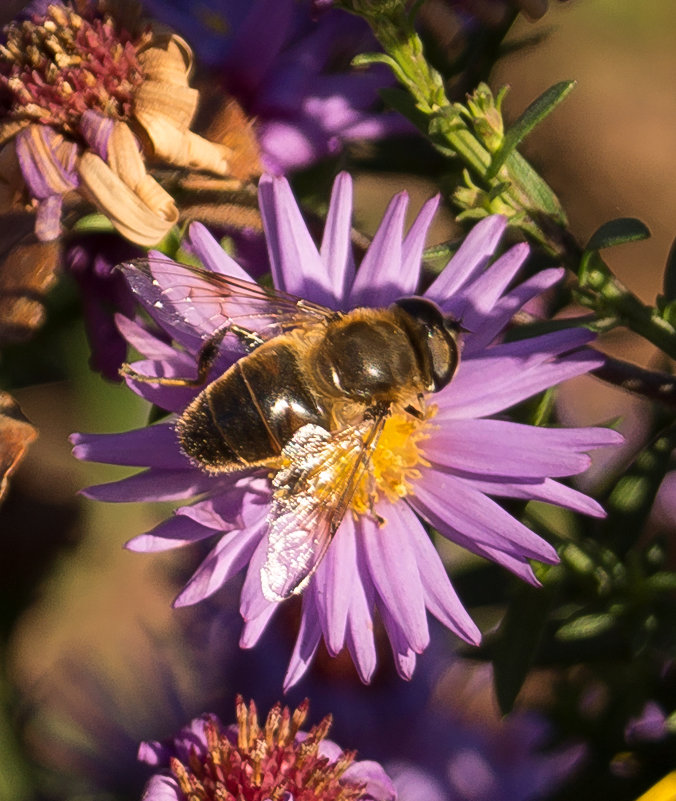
(435, 339)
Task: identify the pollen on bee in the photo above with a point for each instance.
(395, 461)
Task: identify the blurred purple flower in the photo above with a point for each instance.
(257, 762)
(91, 259)
(442, 471)
(289, 73)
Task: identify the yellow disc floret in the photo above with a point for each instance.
(395, 461)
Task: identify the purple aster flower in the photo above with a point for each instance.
(442, 467)
(289, 73)
(254, 762)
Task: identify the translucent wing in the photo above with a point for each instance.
(311, 496)
(199, 302)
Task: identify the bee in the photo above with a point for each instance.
(307, 399)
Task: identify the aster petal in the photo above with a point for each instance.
(336, 249)
(155, 484)
(175, 532)
(506, 374)
(474, 304)
(378, 785)
(470, 259)
(212, 255)
(379, 280)
(507, 306)
(294, 260)
(440, 597)
(307, 642)
(333, 582)
(404, 656)
(226, 559)
(547, 490)
(252, 629)
(252, 601)
(451, 501)
(503, 448)
(413, 245)
(152, 446)
(143, 341)
(392, 565)
(360, 624)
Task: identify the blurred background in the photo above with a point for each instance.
(97, 659)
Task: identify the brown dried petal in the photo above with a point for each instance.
(231, 127)
(168, 59)
(26, 274)
(11, 178)
(16, 434)
(183, 148)
(133, 218)
(10, 128)
(176, 103)
(55, 156)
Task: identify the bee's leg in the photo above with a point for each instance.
(205, 359)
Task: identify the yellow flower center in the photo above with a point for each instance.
(395, 461)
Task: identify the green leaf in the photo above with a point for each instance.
(617, 232)
(587, 626)
(538, 110)
(94, 223)
(517, 641)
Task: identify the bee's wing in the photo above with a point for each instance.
(311, 496)
(198, 302)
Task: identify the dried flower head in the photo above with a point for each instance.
(270, 762)
(89, 92)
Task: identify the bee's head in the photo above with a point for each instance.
(435, 338)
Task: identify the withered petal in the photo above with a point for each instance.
(131, 215)
(16, 434)
(167, 58)
(183, 148)
(176, 103)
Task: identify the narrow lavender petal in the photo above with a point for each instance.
(307, 642)
(360, 625)
(440, 597)
(404, 656)
(378, 784)
(336, 249)
(212, 255)
(334, 579)
(506, 307)
(240, 503)
(41, 164)
(48, 218)
(392, 565)
(413, 245)
(143, 341)
(515, 563)
(252, 629)
(474, 304)
(454, 501)
(155, 484)
(379, 278)
(96, 130)
(509, 373)
(252, 601)
(175, 532)
(225, 560)
(152, 446)
(471, 258)
(294, 260)
(547, 490)
(504, 448)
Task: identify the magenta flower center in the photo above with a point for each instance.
(267, 762)
(56, 67)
